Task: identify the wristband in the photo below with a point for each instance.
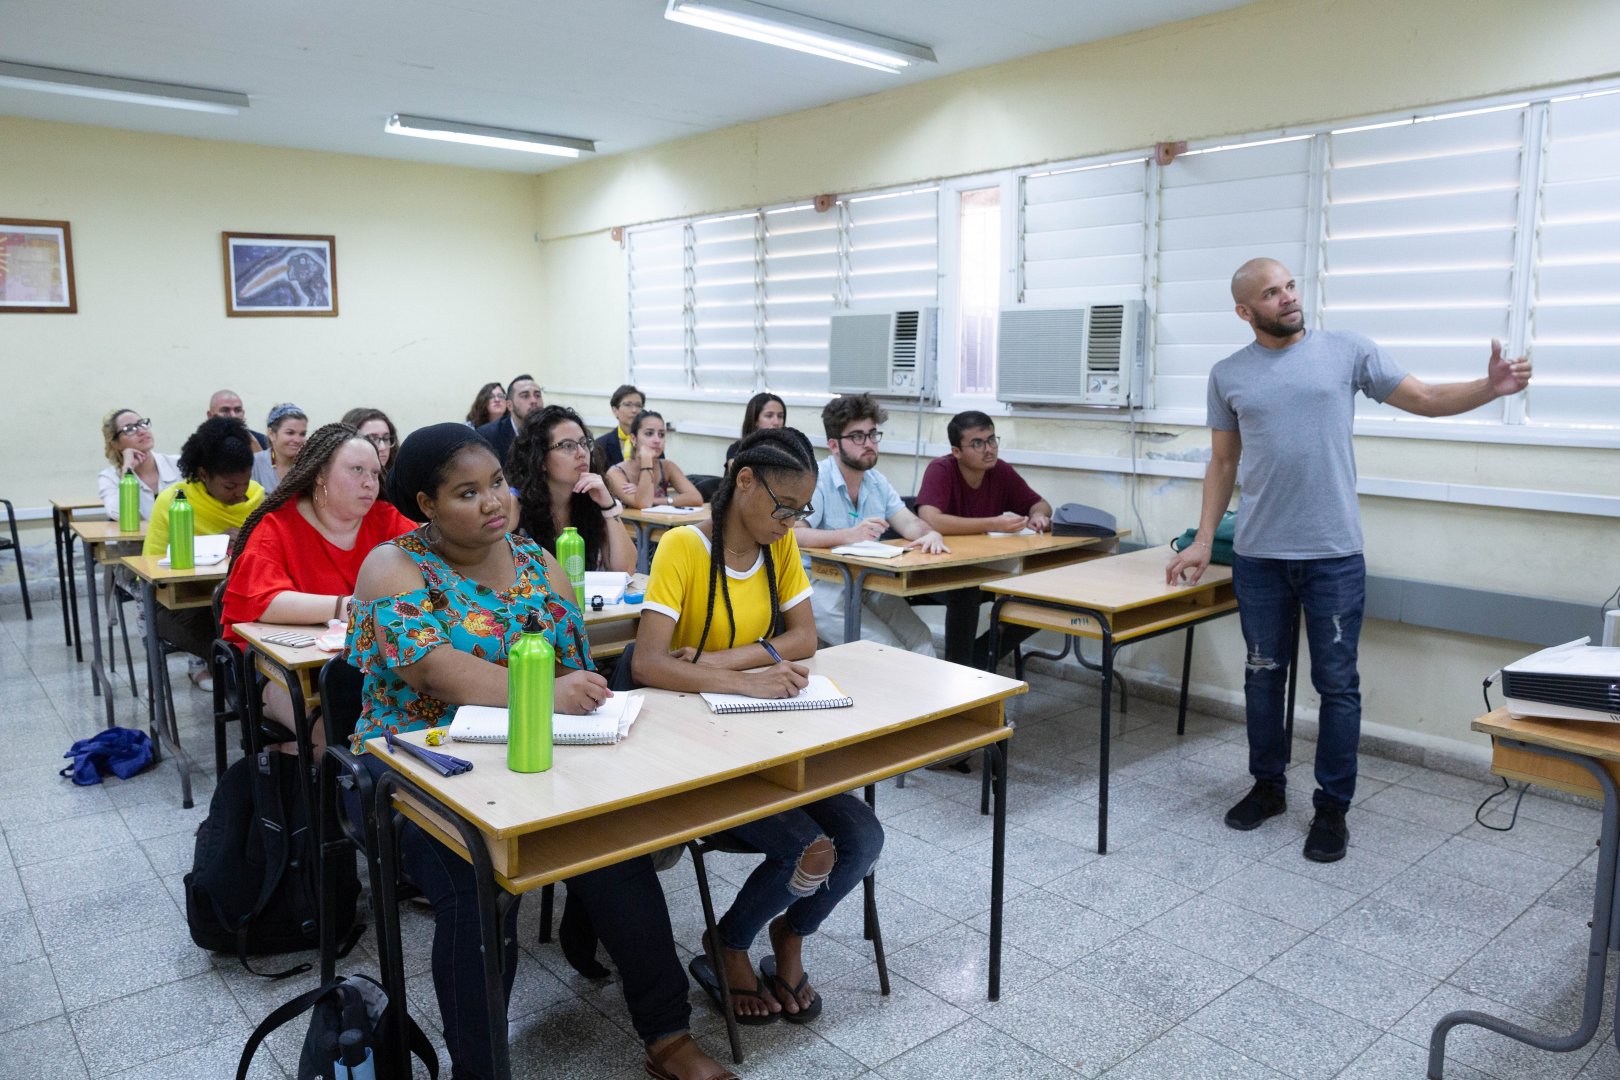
(1199, 543)
(615, 510)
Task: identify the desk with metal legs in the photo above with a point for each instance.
(649, 524)
(99, 539)
(62, 511)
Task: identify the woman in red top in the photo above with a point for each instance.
(297, 556)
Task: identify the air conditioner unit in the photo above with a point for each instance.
(1092, 355)
(890, 353)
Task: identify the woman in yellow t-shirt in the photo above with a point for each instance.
(728, 610)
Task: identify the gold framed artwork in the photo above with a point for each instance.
(36, 267)
(278, 274)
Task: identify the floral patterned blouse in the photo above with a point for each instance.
(396, 631)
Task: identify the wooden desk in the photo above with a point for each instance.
(650, 525)
(1572, 755)
(972, 561)
(99, 539)
(175, 590)
(685, 773)
(62, 511)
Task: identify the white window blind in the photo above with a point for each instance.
(1218, 209)
(893, 248)
(800, 290)
(1575, 325)
(1083, 235)
(656, 268)
(723, 286)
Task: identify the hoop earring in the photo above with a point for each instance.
(431, 534)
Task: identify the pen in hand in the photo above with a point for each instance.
(775, 656)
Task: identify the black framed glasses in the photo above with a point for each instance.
(861, 438)
(571, 446)
(139, 425)
(784, 511)
(984, 444)
(379, 440)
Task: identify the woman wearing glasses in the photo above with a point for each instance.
(549, 466)
(375, 427)
(127, 439)
(651, 479)
(728, 610)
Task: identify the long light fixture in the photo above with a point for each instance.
(110, 88)
(802, 33)
(532, 142)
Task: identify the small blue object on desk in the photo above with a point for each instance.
(633, 597)
(443, 764)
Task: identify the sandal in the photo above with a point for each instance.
(703, 972)
(779, 987)
(655, 1062)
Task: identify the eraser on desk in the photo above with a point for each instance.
(632, 596)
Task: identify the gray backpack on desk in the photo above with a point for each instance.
(1078, 519)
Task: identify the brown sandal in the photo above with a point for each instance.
(655, 1062)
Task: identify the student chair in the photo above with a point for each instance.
(16, 549)
(233, 681)
(706, 484)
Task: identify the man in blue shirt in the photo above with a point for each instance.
(855, 502)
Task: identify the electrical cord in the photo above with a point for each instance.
(1141, 530)
(1479, 811)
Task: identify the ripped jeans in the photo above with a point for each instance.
(779, 884)
(1333, 594)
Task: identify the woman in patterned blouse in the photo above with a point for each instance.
(435, 614)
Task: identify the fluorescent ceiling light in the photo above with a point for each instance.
(532, 142)
(802, 33)
(109, 88)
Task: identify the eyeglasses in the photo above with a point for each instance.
(139, 425)
(785, 511)
(984, 444)
(861, 438)
(379, 440)
(571, 446)
(497, 397)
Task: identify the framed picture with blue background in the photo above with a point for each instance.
(280, 274)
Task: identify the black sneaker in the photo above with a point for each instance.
(1329, 835)
(1264, 800)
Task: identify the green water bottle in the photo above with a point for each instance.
(531, 669)
(571, 553)
(129, 503)
(182, 546)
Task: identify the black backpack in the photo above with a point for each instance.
(354, 1003)
(254, 885)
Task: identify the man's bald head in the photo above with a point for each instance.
(1267, 297)
(226, 403)
(1252, 276)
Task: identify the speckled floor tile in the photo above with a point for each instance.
(1279, 1028)
(1072, 1021)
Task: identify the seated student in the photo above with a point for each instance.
(718, 592)
(550, 467)
(435, 614)
(375, 427)
(216, 466)
(763, 411)
(616, 445)
(488, 406)
(855, 502)
(287, 427)
(126, 438)
(647, 478)
(225, 403)
(523, 397)
(971, 490)
(297, 556)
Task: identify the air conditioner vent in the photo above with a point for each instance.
(904, 356)
(1107, 332)
(890, 353)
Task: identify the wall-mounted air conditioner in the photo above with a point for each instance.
(890, 353)
(1092, 355)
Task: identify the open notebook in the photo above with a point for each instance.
(821, 693)
(608, 724)
(208, 550)
(671, 509)
(869, 549)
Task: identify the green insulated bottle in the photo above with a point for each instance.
(182, 546)
(129, 503)
(530, 672)
(571, 553)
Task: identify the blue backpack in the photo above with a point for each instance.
(123, 752)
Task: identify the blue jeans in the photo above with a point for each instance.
(857, 838)
(1333, 594)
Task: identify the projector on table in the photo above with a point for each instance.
(1576, 681)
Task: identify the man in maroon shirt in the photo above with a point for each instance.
(972, 491)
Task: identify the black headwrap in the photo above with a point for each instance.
(420, 461)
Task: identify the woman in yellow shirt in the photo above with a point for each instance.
(728, 610)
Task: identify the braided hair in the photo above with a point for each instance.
(318, 451)
(770, 452)
(220, 445)
(526, 472)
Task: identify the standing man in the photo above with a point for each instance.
(1286, 405)
(523, 399)
(225, 403)
(854, 502)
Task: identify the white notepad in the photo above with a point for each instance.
(608, 724)
(869, 549)
(1020, 532)
(209, 550)
(608, 584)
(672, 509)
(822, 693)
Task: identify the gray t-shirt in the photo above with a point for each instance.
(264, 472)
(1294, 410)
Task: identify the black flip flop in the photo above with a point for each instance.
(779, 986)
(703, 972)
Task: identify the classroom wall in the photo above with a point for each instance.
(1260, 67)
(439, 284)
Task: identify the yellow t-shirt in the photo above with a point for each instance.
(208, 514)
(679, 587)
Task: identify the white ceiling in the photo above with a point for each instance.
(324, 76)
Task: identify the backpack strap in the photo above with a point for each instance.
(265, 781)
(420, 1046)
(279, 1016)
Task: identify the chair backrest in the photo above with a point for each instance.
(217, 604)
(341, 684)
(707, 485)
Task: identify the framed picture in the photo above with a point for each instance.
(278, 274)
(36, 267)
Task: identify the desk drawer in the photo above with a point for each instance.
(1516, 764)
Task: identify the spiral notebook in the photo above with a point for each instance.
(608, 724)
(870, 549)
(821, 693)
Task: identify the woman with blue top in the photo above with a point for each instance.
(435, 613)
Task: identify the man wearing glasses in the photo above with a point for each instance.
(855, 502)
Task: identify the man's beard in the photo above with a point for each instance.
(1280, 329)
(855, 463)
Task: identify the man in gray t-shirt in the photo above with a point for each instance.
(1285, 407)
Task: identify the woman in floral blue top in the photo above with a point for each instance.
(435, 613)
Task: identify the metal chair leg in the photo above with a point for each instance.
(713, 936)
(16, 549)
(547, 899)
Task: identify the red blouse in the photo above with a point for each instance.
(286, 553)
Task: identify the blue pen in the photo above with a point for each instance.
(776, 656)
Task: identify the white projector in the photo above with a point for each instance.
(1576, 681)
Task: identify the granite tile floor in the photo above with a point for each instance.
(1189, 951)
